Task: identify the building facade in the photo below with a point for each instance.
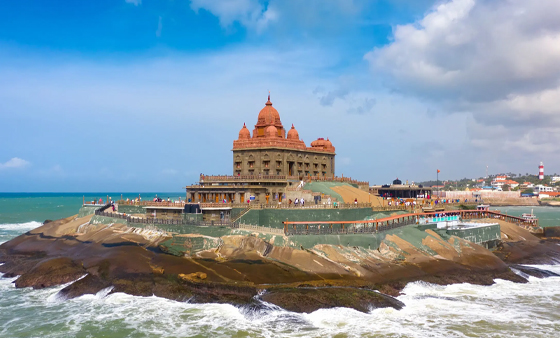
(272, 151)
(266, 163)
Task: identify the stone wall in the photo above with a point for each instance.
(478, 235)
(131, 209)
(276, 161)
(87, 210)
(275, 217)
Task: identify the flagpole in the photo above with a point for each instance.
(437, 182)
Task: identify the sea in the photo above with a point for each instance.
(504, 309)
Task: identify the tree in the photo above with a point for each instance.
(528, 191)
(505, 187)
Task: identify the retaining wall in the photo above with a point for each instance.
(274, 217)
(478, 235)
(131, 209)
(87, 210)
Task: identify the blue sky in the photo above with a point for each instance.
(145, 95)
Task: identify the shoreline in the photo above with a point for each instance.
(245, 270)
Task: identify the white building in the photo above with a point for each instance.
(500, 181)
(555, 179)
(542, 188)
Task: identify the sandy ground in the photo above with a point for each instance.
(349, 194)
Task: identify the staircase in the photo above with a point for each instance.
(241, 214)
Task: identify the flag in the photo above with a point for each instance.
(438, 171)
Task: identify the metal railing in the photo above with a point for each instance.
(166, 221)
(386, 223)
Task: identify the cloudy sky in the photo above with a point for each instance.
(143, 95)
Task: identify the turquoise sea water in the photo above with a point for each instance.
(548, 216)
(504, 309)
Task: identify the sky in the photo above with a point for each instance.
(144, 95)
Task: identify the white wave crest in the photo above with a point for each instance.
(21, 226)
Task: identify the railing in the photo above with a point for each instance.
(260, 228)
(383, 224)
(165, 221)
(245, 177)
(152, 203)
(218, 178)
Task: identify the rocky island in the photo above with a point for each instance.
(283, 230)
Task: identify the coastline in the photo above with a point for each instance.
(245, 270)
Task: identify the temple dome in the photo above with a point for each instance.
(293, 134)
(268, 115)
(328, 143)
(271, 131)
(319, 143)
(244, 133)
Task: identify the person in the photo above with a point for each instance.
(329, 201)
(168, 199)
(289, 202)
(302, 202)
(355, 201)
(296, 202)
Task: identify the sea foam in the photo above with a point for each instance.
(20, 226)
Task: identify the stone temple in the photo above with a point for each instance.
(268, 164)
(271, 152)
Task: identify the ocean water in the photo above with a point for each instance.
(504, 309)
(548, 216)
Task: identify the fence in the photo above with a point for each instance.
(165, 221)
(260, 228)
(383, 224)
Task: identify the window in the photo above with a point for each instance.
(266, 164)
(251, 164)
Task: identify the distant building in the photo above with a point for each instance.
(555, 179)
(500, 181)
(542, 188)
(399, 190)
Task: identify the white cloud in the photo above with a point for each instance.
(250, 13)
(14, 163)
(134, 2)
(496, 60)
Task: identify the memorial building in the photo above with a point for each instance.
(266, 164)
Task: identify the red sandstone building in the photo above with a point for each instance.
(267, 163)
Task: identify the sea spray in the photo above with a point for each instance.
(21, 227)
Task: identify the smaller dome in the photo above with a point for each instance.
(293, 134)
(244, 133)
(320, 142)
(271, 131)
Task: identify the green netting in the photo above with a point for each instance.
(325, 188)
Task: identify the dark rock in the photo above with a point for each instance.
(51, 272)
(312, 299)
(535, 272)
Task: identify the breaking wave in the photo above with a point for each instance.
(21, 226)
(459, 310)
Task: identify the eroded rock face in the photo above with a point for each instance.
(51, 272)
